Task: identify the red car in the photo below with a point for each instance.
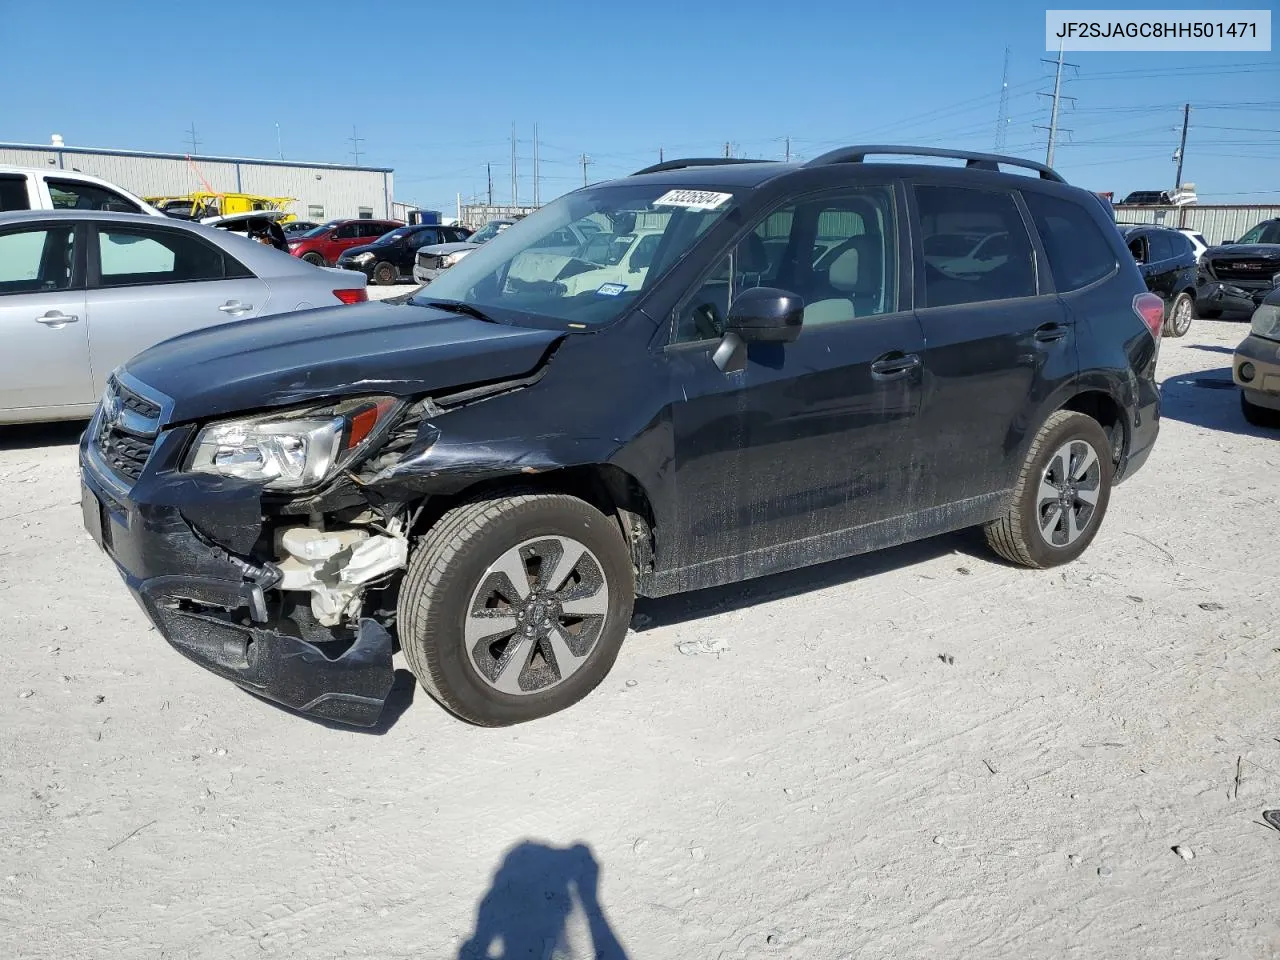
(323, 245)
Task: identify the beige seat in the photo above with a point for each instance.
(842, 277)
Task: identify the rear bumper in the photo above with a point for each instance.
(215, 610)
(1144, 429)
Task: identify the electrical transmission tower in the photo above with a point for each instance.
(1057, 98)
(1002, 120)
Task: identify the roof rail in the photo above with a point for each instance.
(695, 162)
(983, 161)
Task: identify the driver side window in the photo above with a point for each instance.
(837, 250)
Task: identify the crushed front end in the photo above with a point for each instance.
(284, 598)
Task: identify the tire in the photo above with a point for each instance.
(314, 259)
(1181, 313)
(1258, 416)
(385, 274)
(457, 568)
(1017, 535)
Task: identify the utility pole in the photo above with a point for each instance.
(726, 149)
(488, 169)
(788, 160)
(585, 161)
(193, 140)
(279, 146)
(355, 141)
(535, 165)
(1057, 98)
(1182, 147)
(661, 158)
(514, 182)
(1002, 118)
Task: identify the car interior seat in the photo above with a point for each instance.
(853, 284)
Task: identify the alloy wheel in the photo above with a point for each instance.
(536, 615)
(1068, 496)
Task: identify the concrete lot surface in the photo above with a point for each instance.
(920, 753)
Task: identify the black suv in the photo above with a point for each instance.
(1168, 264)
(390, 258)
(1236, 277)
(788, 363)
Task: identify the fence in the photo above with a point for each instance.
(1218, 223)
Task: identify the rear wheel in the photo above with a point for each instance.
(314, 259)
(514, 608)
(385, 274)
(1061, 495)
(1181, 312)
(1258, 416)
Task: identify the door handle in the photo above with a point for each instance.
(57, 319)
(1050, 332)
(235, 307)
(894, 366)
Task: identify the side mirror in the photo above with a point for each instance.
(758, 315)
(766, 314)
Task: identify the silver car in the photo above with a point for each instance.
(82, 291)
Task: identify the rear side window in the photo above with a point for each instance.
(13, 194)
(1160, 246)
(975, 246)
(131, 256)
(1078, 251)
(73, 195)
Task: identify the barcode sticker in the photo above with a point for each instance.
(693, 199)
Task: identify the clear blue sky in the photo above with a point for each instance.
(433, 89)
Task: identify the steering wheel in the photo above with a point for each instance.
(708, 322)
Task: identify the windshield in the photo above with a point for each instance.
(323, 228)
(394, 235)
(1263, 233)
(634, 234)
(487, 232)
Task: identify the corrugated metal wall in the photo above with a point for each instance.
(1217, 223)
(322, 192)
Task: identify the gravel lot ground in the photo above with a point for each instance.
(917, 753)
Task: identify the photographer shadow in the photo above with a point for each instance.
(532, 901)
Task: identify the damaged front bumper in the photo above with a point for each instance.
(1244, 297)
(213, 607)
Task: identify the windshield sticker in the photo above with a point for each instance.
(693, 199)
(612, 289)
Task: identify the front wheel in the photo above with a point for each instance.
(1061, 495)
(514, 608)
(1180, 314)
(385, 274)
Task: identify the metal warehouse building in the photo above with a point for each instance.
(323, 191)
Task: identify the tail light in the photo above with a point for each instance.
(352, 295)
(1151, 309)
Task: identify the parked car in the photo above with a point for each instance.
(1198, 243)
(433, 260)
(1256, 365)
(82, 291)
(323, 245)
(22, 188)
(295, 228)
(1183, 196)
(260, 225)
(494, 471)
(391, 256)
(1236, 277)
(1168, 265)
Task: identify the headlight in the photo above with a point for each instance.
(362, 257)
(291, 450)
(1266, 321)
(454, 257)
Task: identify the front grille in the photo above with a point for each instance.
(1245, 270)
(125, 428)
(429, 261)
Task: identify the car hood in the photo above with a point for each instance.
(373, 348)
(438, 249)
(373, 248)
(1267, 250)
